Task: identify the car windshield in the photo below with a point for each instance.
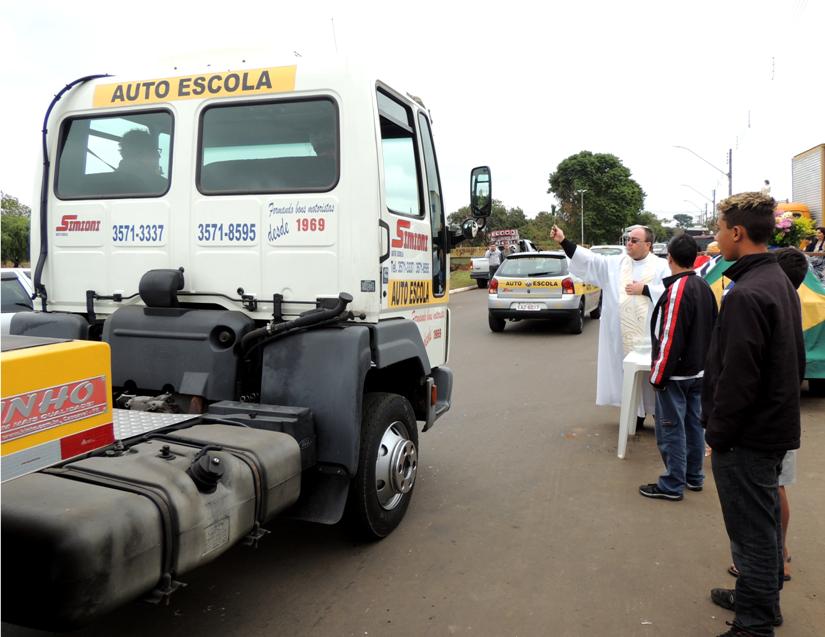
(607, 250)
(14, 297)
(533, 266)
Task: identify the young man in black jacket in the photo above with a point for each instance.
(680, 331)
(750, 403)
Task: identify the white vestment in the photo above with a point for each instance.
(611, 274)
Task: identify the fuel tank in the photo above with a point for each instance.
(84, 538)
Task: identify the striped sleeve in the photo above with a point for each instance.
(669, 331)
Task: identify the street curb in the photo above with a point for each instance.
(469, 287)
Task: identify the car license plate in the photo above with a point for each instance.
(530, 307)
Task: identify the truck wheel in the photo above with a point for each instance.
(382, 489)
(576, 324)
(598, 311)
(482, 283)
(496, 323)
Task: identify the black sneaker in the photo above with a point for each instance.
(694, 487)
(653, 491)
(726, 598)
(735, 631)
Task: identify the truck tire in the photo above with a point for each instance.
(382, 489)
(496, 324)
(597, 313)
(482, 283)
(576, 324)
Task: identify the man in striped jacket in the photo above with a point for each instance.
(681, 328)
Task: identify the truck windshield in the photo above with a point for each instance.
(115, 156)
(533, 266)
(273, 147)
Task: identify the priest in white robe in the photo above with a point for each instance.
(631, 284)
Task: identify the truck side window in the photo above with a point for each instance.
(402, 179)
(271, 147)
(115, 156)
(436, 208)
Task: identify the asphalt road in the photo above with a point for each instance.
(524, 522)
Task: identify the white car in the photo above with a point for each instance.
(608, 250)
(539, 285)
(481, 265)
(15, 295)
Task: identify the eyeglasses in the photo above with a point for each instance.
(634, 240)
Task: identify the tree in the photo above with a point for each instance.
(15, 239)
(12, 206)
(684, 220)
(612, 199)
(15, 230)
(653, 222)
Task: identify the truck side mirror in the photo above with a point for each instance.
(469, 229)
(481, 192)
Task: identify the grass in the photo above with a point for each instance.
(460, 279)
(460, 275)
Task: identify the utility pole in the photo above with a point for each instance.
(713, 212)
(581, 192)
(728, 174)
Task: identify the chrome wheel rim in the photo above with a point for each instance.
(395, 467)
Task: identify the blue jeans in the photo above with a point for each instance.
(679, 434)
(746, 480)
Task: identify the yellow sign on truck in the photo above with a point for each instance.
(56, 402)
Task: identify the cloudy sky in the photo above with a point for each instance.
(515, 85)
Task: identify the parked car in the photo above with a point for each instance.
(539, 285)
(660, 250)
(481, 265)
(608, 250)
(15, 295)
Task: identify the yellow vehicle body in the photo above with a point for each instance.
(56, 402)
(798, 209)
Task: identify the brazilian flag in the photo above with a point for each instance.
(812, 298)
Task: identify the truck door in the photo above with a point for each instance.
(414, 270)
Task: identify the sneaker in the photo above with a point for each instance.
(694, 487)
(726, 598)
(653, 491)
(735, 631)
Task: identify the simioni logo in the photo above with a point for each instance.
(409, 240)
(28, 413)
(70, 223)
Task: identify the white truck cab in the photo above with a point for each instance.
(251, 239)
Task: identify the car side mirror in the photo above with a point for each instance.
(481, 192)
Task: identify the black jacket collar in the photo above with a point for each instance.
(670, 279)
(749, 262)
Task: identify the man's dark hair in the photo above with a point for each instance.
(793, 263)
(753, 211)
(683, 250)
(821, 229)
